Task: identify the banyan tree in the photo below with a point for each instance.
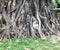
(33, 18)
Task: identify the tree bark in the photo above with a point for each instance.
(28, 18)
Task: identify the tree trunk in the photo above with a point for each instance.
(27, 18)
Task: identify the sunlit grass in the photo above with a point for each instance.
(29, 43)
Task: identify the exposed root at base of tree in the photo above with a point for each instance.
(27, 18)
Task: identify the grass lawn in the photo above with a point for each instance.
(29, 43)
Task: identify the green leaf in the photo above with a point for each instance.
(58, 1)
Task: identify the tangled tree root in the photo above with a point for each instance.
(27, 18)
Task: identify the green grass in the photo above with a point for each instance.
(29, 43)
